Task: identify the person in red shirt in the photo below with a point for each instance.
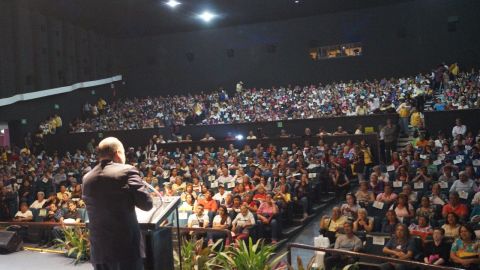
(209, 204)
(260, 194)
(455, 206)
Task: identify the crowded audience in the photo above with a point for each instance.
(408, 96)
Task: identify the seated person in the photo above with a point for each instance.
(251, 203)
(188, 190)
(40, 201)
(221, 222)
(266, 214)
(455, 206)
(330, 226)
(349, 209)
(363, 195)
(23, 215)
(346, 241)
(260, 194)
(375, 185)
(179, 186)
(463, 184)
(422, 228)
(72, 215)
(422, 176)
(363, 223)
(437, 198)
(465, 251)
(209, 204)
(400, 246)
(425, 209)
(403, 209)
(447, 175)
(242, 223)
(221, 194)
(234, 208)
(382, 176)
(387, 196)
(54, 214)
(63, 190)
(199, 219)
(188, 205)
(390, 222)
(437, 252)
(451, 225)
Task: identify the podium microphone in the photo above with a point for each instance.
(160, 199)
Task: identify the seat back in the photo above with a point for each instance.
(374, 243)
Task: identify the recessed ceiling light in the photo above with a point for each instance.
(173, 3)
(207, 16)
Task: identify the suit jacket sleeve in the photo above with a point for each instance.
(140, 192)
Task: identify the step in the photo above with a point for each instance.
(288, 232)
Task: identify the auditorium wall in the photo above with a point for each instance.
(445, 121)
(40, 52)
(398, 40)
(139, 137)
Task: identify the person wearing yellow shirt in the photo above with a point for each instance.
(454, 69)
(403, 111)
(330, 226)
(101, 103)
(416, 118)
(58, 121)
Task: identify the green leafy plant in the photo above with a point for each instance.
(249, 256)
(195, 256)
(76, 243)
(300, 264)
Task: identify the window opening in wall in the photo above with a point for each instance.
(336, 51)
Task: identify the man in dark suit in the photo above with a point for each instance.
(111, 191)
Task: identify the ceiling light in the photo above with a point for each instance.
(207, 16)
(173, 3)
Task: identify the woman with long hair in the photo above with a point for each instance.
(220, 222)
(465, 252)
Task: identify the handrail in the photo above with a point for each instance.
(365, 255)
(41, 224)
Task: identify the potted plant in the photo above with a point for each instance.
(76, 243)
(249, 256)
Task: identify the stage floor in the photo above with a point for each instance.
(24, 260)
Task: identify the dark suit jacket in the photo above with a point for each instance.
(111, 191)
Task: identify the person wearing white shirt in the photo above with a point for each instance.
(243, 220)
(463, 184)
(199, 219)
(40, 201)
(476, 199)
(458, 129)
(225, 177)
(23, 214)
(221, 195)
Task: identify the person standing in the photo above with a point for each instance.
(390, 139)
(111, 191)
(403, 111)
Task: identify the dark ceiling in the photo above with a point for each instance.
(134, 18)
